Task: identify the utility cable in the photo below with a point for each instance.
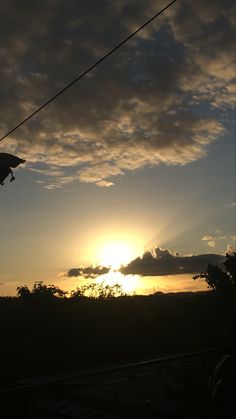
(68, 86)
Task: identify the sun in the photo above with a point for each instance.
(115, 248)
(115, 254)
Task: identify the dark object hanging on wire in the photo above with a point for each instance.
(8, 161)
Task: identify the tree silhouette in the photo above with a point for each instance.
(94, 290)
(222, 280)
(230, 266)
(100, 291)
(23, 292)
(47, 291)
(40, 290)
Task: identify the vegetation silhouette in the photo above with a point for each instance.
(40, 291)
(101, 291)
(45, 330)
(93, 290)
(221, 280)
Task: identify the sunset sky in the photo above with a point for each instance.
(138, 155)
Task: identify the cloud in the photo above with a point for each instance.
(88, 272)
(141, 108)
(211, 243)
(230, 249)
(211, 240)
(207, 238)
(212, 49)
(162, 262)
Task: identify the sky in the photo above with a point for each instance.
(137, 160)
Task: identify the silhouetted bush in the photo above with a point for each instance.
(221, 280)
(40, 290)
(100, 291)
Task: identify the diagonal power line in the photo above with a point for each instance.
(68, 86)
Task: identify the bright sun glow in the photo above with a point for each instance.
(128, 283)
(116, 254)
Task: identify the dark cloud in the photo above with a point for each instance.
(88, 272)
(137, 109)
(162, 262)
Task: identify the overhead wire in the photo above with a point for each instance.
(84, 73)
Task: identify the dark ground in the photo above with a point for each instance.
(42, 337)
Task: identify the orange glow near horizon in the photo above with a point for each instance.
(136, 284)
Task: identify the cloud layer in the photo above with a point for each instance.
(162, 262)
(143, 107)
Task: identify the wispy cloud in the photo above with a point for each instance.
(211, 243)
(212, 240)
(207, 238)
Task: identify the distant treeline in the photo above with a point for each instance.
(41, 291)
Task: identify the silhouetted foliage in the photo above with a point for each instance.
(94, 290)
(219, 279)
(40, 290)
(230, 266)
(100, 291)
(23, 292)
